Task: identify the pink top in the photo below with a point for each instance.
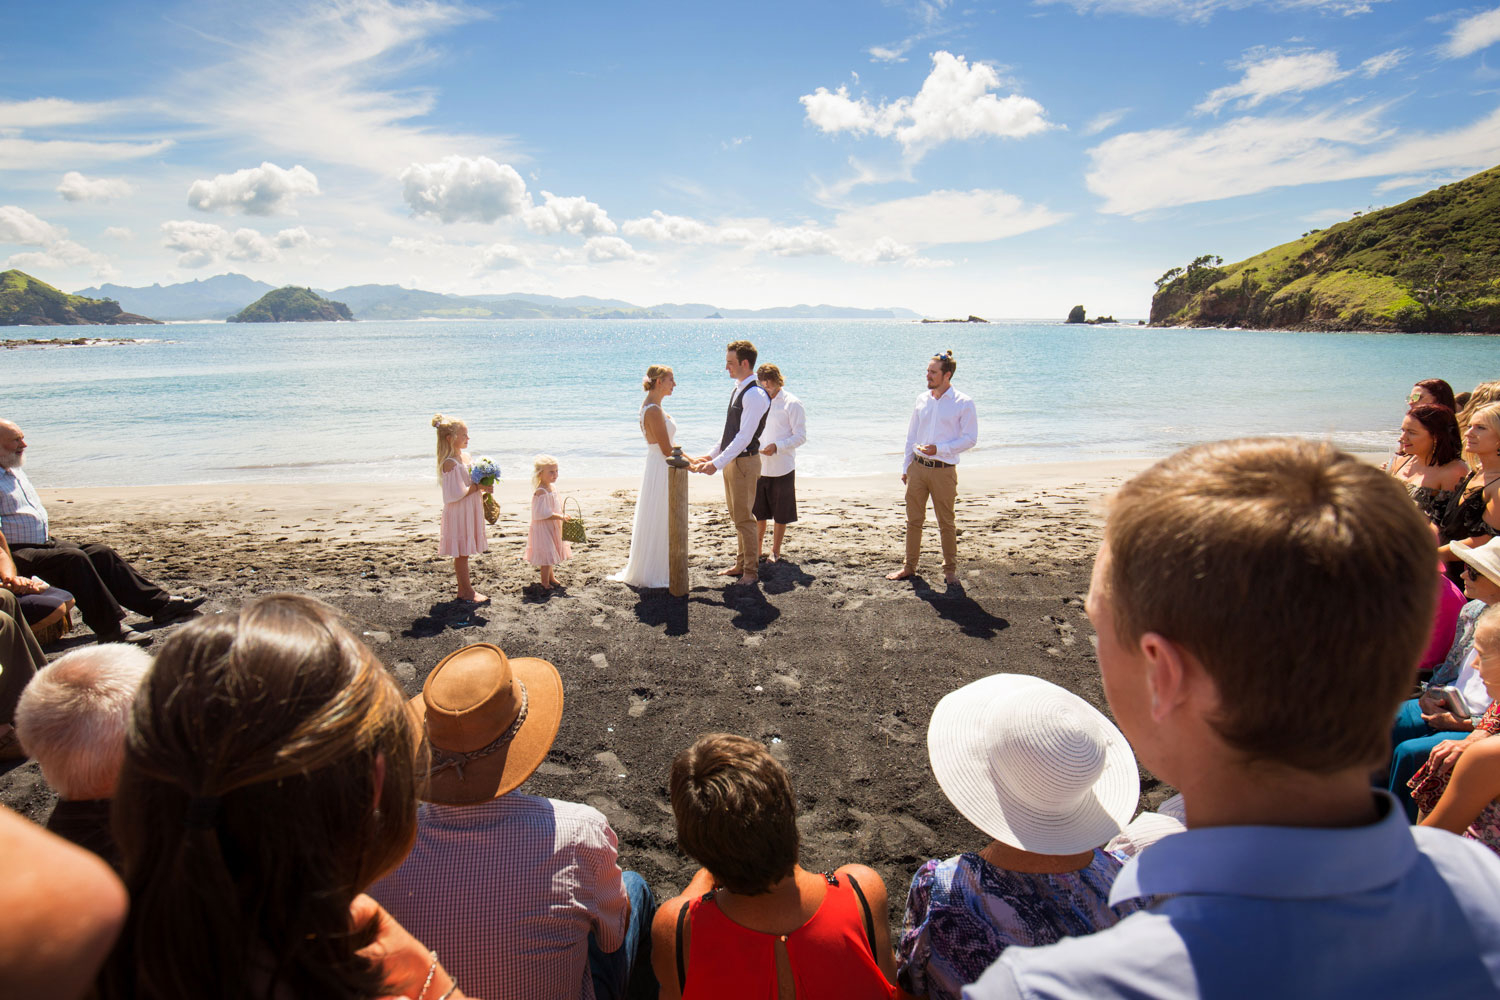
(545, 545)
(462, 532)
(1449, 603)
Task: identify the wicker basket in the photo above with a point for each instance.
(572, 527)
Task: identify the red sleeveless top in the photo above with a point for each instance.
(829, 955)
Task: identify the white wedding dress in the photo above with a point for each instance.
(648, 564)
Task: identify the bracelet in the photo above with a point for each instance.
(431, 971)
(451, 990)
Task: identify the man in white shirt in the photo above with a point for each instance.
(776, 490)
(943, 423)
(737, 455)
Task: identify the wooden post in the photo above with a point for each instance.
(677, 522)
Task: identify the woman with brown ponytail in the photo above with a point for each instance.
(270, 776)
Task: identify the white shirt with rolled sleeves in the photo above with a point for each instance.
(786, 428)
(752, 407)
(950, 422)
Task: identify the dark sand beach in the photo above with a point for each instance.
(834, 667)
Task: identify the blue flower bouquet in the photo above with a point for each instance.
(485, 471)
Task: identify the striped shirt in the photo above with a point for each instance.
(507, 893)
(23, 519)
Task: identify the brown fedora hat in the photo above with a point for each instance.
(490, 720)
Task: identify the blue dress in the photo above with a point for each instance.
(963, 912)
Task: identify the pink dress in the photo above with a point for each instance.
(545, 545)
(463, 514)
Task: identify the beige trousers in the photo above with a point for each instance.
(942, 486)
(740, 477)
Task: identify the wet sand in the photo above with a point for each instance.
(833, 666)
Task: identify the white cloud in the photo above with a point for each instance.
(1141, 171)
(1375, 65)
(609, 249)
(55, 250)
(681, 229)
(464, 189)
(955, 103)
(263, 190)
(1272, 73)
(427, 247)
(798, 241)
(48, 112)
(76, 187)
(1424, 181)
(1105, 120)
(885, 250)
(940, 217)
(575, 215)
(1203, 10)
(311, 81)
(20, 227)
(879, 53)
(118, 233)
(502, 256)
(47, 154)
(199, 244)
(1472, 34)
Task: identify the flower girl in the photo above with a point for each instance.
(462, 532)
(545, 547)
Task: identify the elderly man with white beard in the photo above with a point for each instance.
(99, 579)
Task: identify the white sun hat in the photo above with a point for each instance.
(1033, 765)
(1484, 558)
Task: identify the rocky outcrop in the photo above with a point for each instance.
(292, 305)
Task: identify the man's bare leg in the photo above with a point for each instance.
(778, 533)
(760, 542)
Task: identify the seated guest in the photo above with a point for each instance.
(1425, 722)
(270, 776)
(1293, 877)
(1460, 791)
(753, 923)
(1431, 466)
(1432, 392)
(1047, 776)
(522, 896)
(71, 720)
(63, 908)
(1149, 827)
(48, 609)
(99, 579)
(21, 657)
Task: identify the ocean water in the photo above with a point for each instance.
(321, 402)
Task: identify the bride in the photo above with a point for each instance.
(648, 565)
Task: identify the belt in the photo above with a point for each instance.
(932, 463)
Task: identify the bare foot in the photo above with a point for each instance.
(900, 574)
(951, 579)
(748, 580)
(475, 597)
(736, 571)
(774, 557)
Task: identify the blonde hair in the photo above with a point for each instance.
(770, 373)
(447, 430)
(537, 465)
(652, 374)
(1486, 416)
(1483, 395)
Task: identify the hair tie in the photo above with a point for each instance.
(202, 812)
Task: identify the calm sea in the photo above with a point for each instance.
(352, 401)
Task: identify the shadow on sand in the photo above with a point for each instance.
(446, 615)
(783, 576)
(955, 605)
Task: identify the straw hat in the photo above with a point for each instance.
(1484, 558)
(490, 720)
(1032, 765)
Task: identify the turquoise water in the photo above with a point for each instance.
(352, 402)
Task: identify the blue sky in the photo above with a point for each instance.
(1008, 160)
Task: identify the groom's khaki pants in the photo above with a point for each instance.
(941, 485)
(740, 477)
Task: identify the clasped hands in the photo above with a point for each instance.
(1435, 713)
(22, 586)
(703, 464)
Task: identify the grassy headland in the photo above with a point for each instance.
(25, 301)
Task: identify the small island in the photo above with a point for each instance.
(971, 319)
(292, 305)
(25, 301)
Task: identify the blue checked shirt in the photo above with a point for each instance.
(23, 519)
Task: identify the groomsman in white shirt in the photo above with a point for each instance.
(776, 490)
(943, 424)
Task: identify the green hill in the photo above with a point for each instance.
(1428, 264)
(292, 305)
(25, 301)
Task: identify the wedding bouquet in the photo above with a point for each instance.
(485, 471)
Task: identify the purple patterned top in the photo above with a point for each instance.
(963, 912)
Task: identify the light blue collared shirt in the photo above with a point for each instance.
(23, 519)
(1384, 910)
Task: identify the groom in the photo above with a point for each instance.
(738, 455)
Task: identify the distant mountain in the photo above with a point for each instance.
(220, 296)
(292, 305)
(208, 298)
(1429, 264)
(25, 301)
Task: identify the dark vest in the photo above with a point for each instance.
(732, 423)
